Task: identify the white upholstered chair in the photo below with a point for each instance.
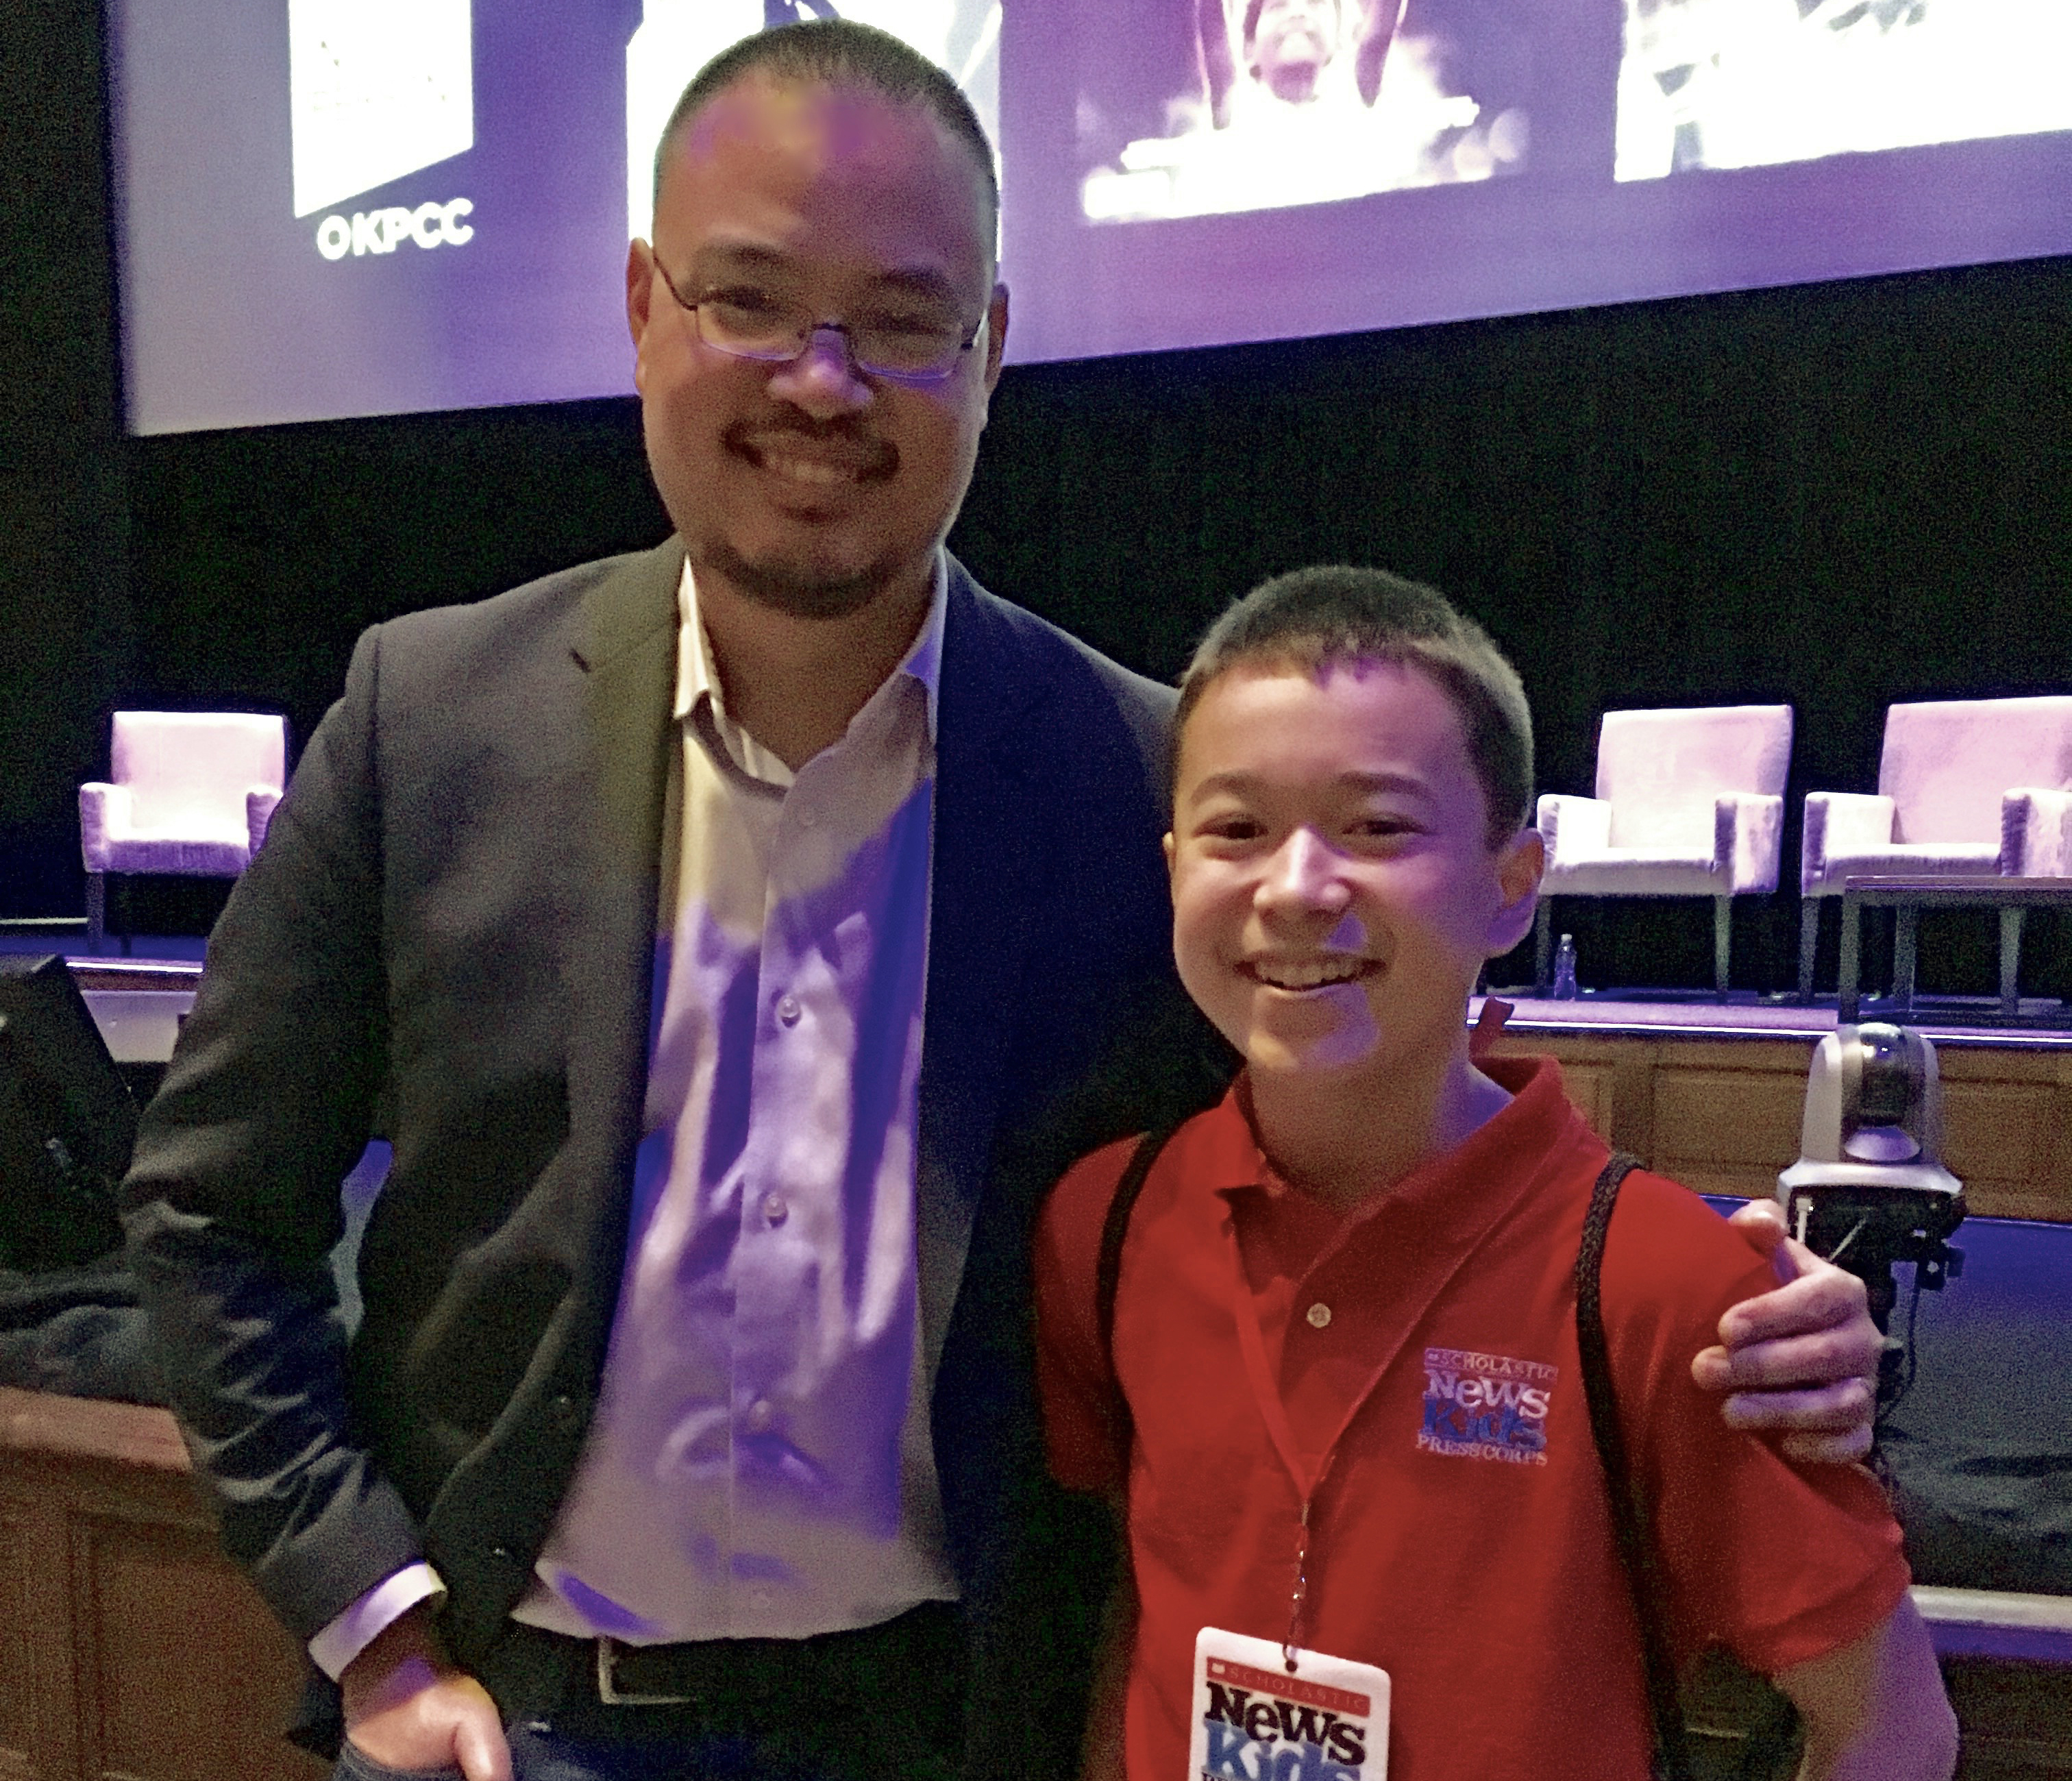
(1966, 788)
(1690, 803)
(189, 793)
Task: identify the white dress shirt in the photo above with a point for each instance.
(761, 1463)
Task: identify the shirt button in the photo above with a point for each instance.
(788, 1010)
(774, 1208)
(1319, 1314)
(807, 819)
(760, 1416)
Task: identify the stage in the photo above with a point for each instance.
(1708, 1091)
(1713, 1093)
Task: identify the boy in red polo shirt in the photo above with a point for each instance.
(1368, 1527)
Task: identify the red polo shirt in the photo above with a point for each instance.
(1460, 1538)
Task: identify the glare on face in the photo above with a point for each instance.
(810, 484)
(1334, 893)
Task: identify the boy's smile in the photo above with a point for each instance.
(1334, 889)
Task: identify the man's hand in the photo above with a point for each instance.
(1803, 1359)
(407, 1707)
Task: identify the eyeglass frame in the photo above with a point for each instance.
(918, 380)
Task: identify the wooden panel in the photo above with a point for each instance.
(17, 1700)
(2015, 1718)
(192, 1678)
(1734, 1118)
(1999, 1139)
(1590, 1087)
(132, 1650)
(1723, 1117)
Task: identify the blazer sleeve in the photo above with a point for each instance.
(232, 1203)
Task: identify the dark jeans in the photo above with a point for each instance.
(543, 1754)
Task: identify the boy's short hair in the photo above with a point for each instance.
(1314, 619)
(838, 52)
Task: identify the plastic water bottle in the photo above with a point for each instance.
(1565, 970)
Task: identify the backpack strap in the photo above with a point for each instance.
(1107, 1270)
(1630, 1528)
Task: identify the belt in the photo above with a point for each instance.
(732, 1685)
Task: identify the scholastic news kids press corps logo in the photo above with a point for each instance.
(1486, 1406)
(1263, 1727)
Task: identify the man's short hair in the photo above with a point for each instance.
(839, 53)
(1313, 619)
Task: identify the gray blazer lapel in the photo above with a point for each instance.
(627, 650)
(986, 875)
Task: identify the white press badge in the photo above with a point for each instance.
(1254, 1721)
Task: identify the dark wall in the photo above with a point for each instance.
(66, 645)
(1838, 496)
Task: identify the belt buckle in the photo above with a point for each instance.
(609, 1692)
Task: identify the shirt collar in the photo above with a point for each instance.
(1224, 1156)
(697, 677)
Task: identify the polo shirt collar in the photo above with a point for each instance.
(1222, 1153)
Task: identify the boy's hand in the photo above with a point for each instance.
(1803, 1359)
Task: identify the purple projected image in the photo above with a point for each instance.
(334, 207)
(337, 207)
(1755, 83)
(1307, 101)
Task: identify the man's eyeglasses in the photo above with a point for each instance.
(747, 324)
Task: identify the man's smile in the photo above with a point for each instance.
(814, 461)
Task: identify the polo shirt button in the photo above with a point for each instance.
(760, 1416)
(775, 1208)
(788, 1010)
(1319, 1316)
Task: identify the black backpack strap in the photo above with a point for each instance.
(1636, 1550)
(1107, 1270)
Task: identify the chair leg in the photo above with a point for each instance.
(124, 910)
(1906, 925)
(1809, 941)
(97, 910)
(1723, 929)
(1542, 945)
(2011, 959)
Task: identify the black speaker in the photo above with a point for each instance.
(67, 1123)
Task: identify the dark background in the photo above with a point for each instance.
(1837, 495)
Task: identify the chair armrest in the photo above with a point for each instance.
(259, 803)
(1841, 822)
(103, 812)
(1748, 839)
(2036, 834)
(1577, 825)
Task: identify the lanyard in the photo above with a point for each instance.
(1308, 1486)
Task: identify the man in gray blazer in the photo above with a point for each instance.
(724, 938)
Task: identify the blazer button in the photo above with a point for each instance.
(565, 1410)
(501, 1554)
